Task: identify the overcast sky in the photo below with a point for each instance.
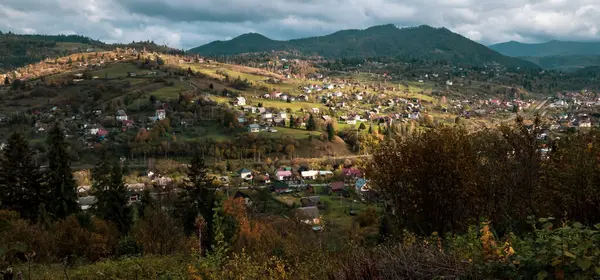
(190, 23)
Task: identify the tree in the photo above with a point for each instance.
(362, 126)
(21, 187)
(70, 61)
(198, 199)
(211, 86)
(311, 125)
(152, 100)
(370, 129)
(6, 81)
(292, 121)
(59, 176)
(330, 132)
(111, 192)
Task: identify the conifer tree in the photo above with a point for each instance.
(198, 198)
(111, 193)
(311, 124)
(59, 176)
(6, 81)
(21, 187)
(370, 129)
(330, 132)
(292, 121)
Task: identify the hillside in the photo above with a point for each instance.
(551, 48)
(18, 50)
(423, 42)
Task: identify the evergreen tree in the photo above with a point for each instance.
(111, 193)
(198, 199)
(330, 131)
(70, 61)
(59, 176)
(292, 121)
(6, 81)
(362, 126)
(370, 129)
(311, 124)
(21, 187)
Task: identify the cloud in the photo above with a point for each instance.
(189, 23)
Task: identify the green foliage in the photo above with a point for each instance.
(59, 176)
(330, 131)
(311, 125)
(21, 186)
(110, 190)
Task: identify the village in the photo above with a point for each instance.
(134, 98)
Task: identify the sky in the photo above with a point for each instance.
(186, 24)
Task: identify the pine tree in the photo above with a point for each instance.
(6, 81)
(111, 193)
(292, 121)
(21, 187)
(362, 126)
(311, 124)
(370, 129)
(330, 131)
(198, 198)
(59, 176)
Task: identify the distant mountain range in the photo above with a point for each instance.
(561, 55)
(551, 48)
(423, 42)
(18, 50)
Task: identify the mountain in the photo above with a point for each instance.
(423, 42)
(551, 48)
(17, 50)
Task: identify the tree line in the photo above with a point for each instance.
(446, 179)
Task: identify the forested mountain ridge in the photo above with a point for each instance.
(423, 42)
(550, 48)
(17, 50)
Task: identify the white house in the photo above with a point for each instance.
(314, 110)
(351, 121)
(358, 96)
(121, 115)
(309, 175)
(449, 83)
(245, 174)
(283, 115)
(160, 114)
(239, 101)
(254, 128)
(267, 116)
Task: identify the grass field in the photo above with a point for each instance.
(118, 70)
(297, 133)
(170, 92)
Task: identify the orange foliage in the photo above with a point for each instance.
(250, 233)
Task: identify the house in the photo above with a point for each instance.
(160, 114)
(121, 115)
(351, 172)
(267, 116)
(311, 201)
(309, 175)
(352, 122)
(361, 185)
(253, 128)
(280, 187)
(415, 115)
(449, 83)
(314, 110)
(325, 173)
(302, 97)
(309, 215)
(283, 115)
(86, 202)
(282, 174)
(243, 196)
(241, 120)
(337, 186)
(245, 174)
(358, 96)
(131, 74)
(326, 118)
(239, 101)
